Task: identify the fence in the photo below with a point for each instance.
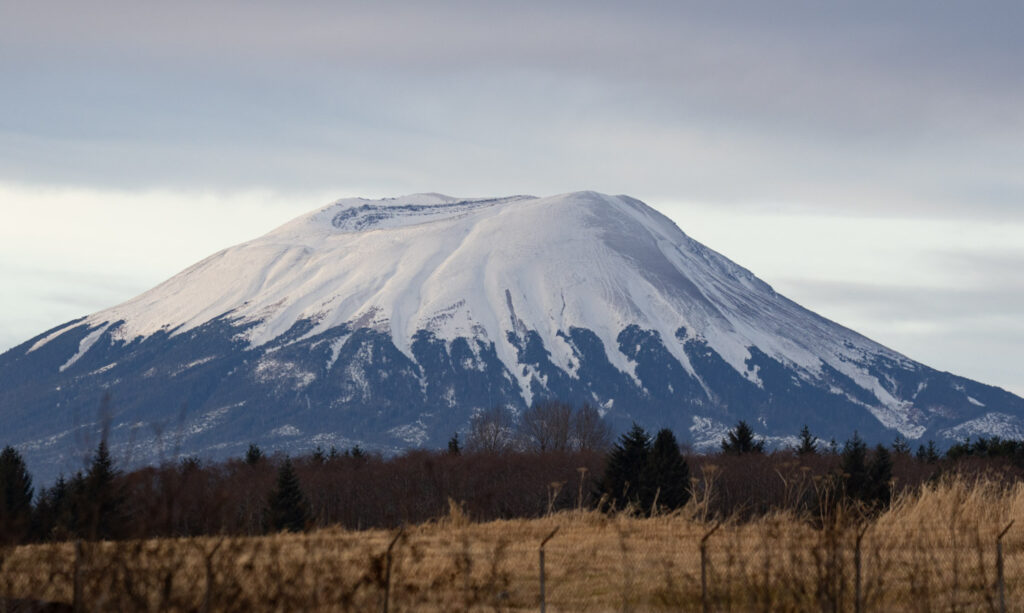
(592, 563)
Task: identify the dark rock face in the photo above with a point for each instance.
(207, 392)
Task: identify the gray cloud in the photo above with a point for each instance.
(975, 333)
(898, 107)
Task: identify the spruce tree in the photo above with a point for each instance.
(667, 475)
(900, 446)
(253, 455)
(740, 440)
(53, 518)
(625, 468)
(854, 466)
(101, 500)
(15, 497)
(879, 478)
(453, 445)
(289, 509)
(808, 443)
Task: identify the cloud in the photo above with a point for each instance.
(976, 333)
(905, 107)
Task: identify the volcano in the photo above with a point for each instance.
(389, 323)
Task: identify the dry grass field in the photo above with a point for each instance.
(934, 550)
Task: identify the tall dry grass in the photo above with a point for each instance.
(934, 549)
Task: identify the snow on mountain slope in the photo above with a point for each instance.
(389, 322)
(473, 268)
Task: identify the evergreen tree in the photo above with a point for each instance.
(929, 454)
(253, 455)
(101, 500)
(667, 478)
(289, 509)
(854, 467)
(808, 443)
(358, 453)
(318, 455)
(900, 446)
(190, 465)
(75, 518)
(879, 492)
(453, 445)
(52, 518)
(741, 440)
(986, 447)
(15, 497)
(625, 468)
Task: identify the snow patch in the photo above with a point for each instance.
(270, 370)
(102, 369)
(336, 346)
(210, 419)
(286, 430)
(990, 424)
(192, 364)
(414, 433)
(708, 434)
(85, 345)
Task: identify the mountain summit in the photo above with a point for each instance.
(388, 323)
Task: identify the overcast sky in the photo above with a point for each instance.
(865, 158)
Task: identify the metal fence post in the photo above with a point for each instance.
(705, 602)
(543, 598)
(1000, 581)
(387, 568)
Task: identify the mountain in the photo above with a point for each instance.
(388, 323)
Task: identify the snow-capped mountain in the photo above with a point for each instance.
(389, 322)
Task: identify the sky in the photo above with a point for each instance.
(862, 157)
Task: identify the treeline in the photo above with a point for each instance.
(559, 458)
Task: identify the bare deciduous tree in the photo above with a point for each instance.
(590, 431)
(491, 431)
(547, 426)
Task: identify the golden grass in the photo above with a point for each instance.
(933, 550)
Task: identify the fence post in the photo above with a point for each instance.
(1000, 582)
(77, 604)
(543, 599)
(858, 603)
(706, 604)
(387, 568)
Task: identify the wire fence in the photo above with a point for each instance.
(567, 562)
